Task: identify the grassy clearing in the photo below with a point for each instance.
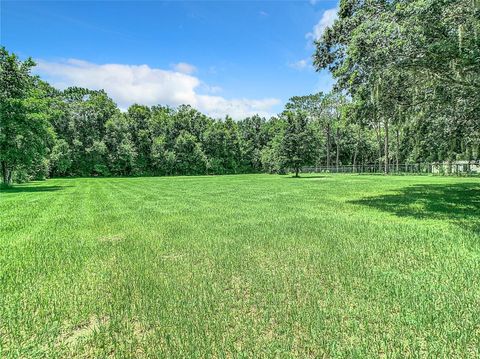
(251, 265)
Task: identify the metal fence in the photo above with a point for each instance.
(441, 168)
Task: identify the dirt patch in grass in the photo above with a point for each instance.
(83, 331)
(141, 331)
(172, 256)
(112, 238)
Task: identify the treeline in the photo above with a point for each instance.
(45, 132)
(412, 72)
(407, 91)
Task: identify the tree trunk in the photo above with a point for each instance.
(398, 148)
(337, 142)
(6, 176)
(386, 147)
(296, 171)
(328, 146)
(355, 153)
(379, 143)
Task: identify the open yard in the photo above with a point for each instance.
(241, 266)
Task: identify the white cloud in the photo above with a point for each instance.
(128, 84)
(217, 106)
(263, 13)
(184, 68)
(328, 18)
(313, 2)
(301, 64)
(210, 89)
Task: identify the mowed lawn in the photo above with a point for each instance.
(241, 266)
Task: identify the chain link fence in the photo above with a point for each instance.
(440, 168)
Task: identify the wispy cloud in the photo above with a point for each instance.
(184, 68)
(302, 64)
(210, 89)
(264, 13)
(128, 84)
(328, 18)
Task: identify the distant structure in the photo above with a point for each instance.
(439, 168)
(460, 167)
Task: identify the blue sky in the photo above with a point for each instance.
(236, 57)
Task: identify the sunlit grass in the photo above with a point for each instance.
(250, 265)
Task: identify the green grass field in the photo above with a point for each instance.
(241, 266)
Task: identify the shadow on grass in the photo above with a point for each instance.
(19, 189)
(456, 203)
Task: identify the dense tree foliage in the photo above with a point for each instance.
(25, 109)
(297, 147)
(411, 67)
(407, 90)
